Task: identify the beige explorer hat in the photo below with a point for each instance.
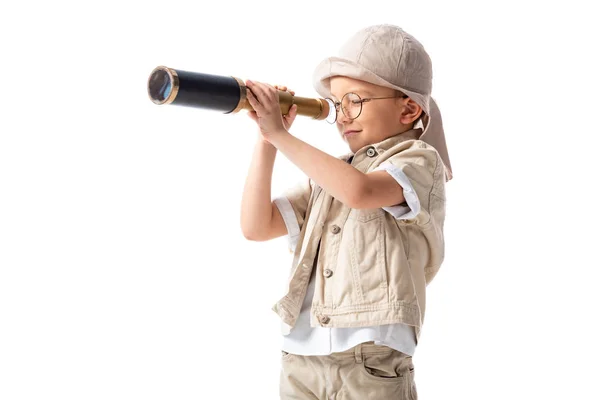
(387, 56)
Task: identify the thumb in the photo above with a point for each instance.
(292, 112)
(253, 116)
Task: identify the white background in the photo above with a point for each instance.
(124, 273)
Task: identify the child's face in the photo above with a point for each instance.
(378, 120)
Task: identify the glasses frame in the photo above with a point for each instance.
(338, 104)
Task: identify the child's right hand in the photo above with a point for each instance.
(288, 119)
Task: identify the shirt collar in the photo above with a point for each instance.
(384, 145)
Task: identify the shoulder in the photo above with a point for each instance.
(412, 146)
(419, 163)
(412, 152)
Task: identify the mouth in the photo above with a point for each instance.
(350, 133)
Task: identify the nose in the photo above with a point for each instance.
(341, 117)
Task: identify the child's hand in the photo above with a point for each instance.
(288, 119)
(267, 113)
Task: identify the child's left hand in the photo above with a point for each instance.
(264, 99)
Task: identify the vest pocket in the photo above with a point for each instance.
(368, 255)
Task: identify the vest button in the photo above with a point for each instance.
(371, 152)
(335, 229)
(324, 319)
(328, 273)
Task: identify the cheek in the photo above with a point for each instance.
(381, 122)
(372, 122)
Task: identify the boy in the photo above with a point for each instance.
(366, 228)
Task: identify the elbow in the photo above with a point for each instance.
(247, 235)
(253, 235)
(249, 228)
(256, 229)
(355, 201)
(250, 235)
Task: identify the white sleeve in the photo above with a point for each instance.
(293, 205)
(291, 222)
(413, 207)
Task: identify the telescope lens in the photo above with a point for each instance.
(160, 86)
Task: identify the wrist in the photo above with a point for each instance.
(276, 137)
(264, 145)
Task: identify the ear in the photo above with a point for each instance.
(411, 111)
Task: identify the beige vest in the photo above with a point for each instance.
(372, 269)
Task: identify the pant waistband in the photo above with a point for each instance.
(365, 349)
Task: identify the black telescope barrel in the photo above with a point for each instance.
(214, 92)
(194, 89)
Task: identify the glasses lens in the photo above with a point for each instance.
(332, 116)
(351, 105)
(159, 86)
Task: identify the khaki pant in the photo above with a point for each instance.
(365, 372)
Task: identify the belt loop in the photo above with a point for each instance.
(358, 354)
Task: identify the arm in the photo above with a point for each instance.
(344, 182)
(260, 219)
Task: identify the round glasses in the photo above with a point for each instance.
(351, 105)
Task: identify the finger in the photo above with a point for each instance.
(251, 96)
(253, 101)
(271, 92)
(291, 113)
(253, 115)
(285, 89)
(253, 88)
(259, 90)
(292, 109)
